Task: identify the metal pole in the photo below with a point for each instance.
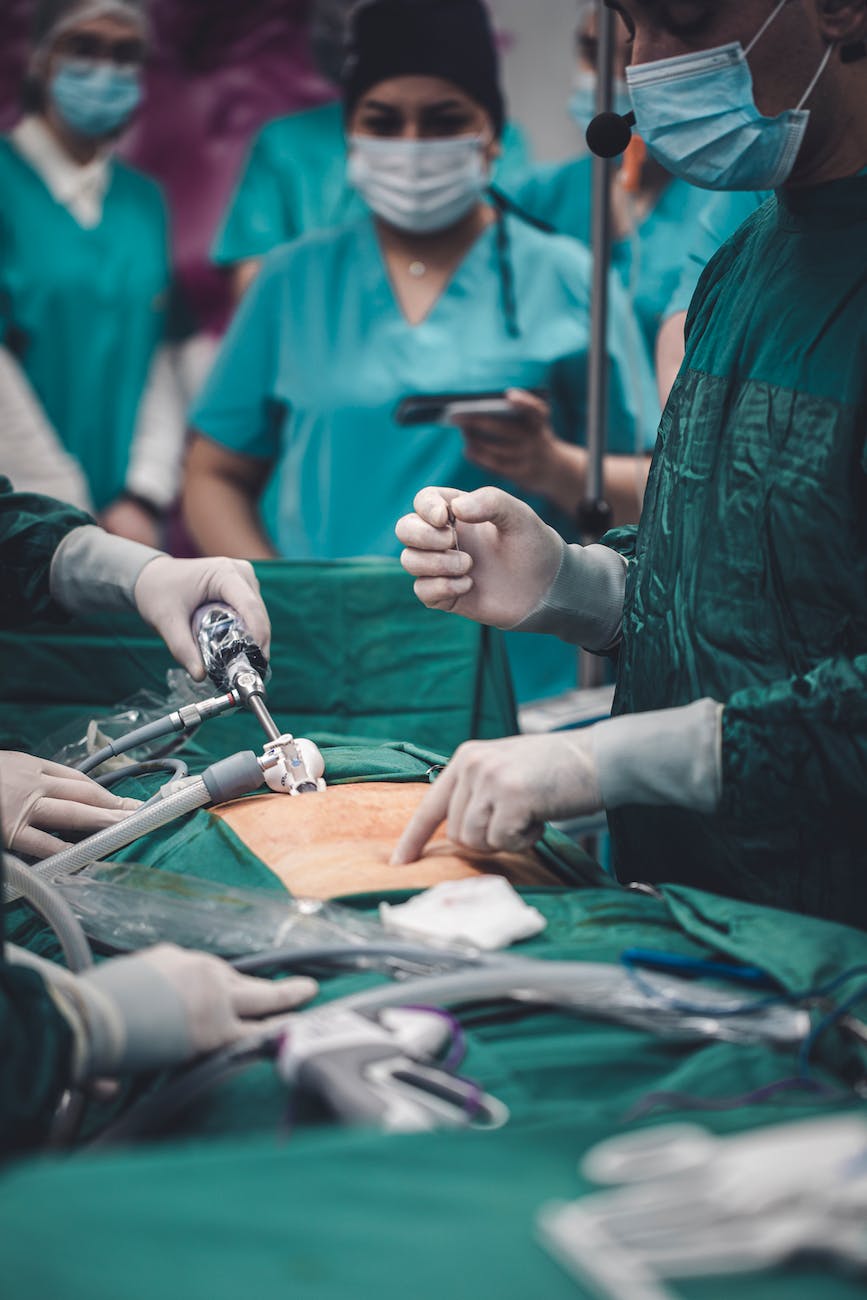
(594, 515)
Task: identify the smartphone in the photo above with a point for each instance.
(445, 408)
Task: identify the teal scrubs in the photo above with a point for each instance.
(294, 180)
(718, 219)
(319, 354)
(650, 262)
(748, 574)
(84, 310)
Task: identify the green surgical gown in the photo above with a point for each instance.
(748, 580)
(718, 220)
(294, 180)
(319, 354)
(35, 1039)
(650, 261)
(84, 310)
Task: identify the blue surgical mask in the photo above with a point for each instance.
(418, 185)
(95, 98)
(698, 117)
(582, 101)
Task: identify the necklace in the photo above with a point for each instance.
(417, 269)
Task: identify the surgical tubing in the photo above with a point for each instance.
(150, 731)
(592, 988)
(187, 719)
(227, 779)
(54, 909)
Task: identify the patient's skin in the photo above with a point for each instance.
(340, 842)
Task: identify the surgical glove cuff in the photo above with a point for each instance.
(671, 757)
(135, 1016)
(584, 604)
(91, 570)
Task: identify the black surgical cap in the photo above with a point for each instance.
(450, 39)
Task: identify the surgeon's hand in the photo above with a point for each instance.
(168, 592)
(166, 1005)
(497, 794)
(507, 560)
(41, 803)
(522, 447)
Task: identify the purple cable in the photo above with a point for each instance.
(685, 1101)
(458, 1046)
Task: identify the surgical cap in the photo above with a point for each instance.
(53, 17)
(451, 39)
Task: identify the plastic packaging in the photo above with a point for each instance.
(78, 739)
(128, 906)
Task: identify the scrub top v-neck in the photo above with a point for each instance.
(320, 353)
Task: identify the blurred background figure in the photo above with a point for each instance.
(85, 276)
(654, 214)
(294, 178)
(436, 288)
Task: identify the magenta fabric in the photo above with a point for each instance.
(220, 69)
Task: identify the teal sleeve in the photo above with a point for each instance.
(717, 222)
(31, 529)
(237, 406)
(34, 1061)
(258, 218)
(622, 540)
(515, 161)
(633, 401)
(799, 743)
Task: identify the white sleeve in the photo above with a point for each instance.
(157, 451)
(31, 454)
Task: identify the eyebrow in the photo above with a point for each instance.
(661, 10)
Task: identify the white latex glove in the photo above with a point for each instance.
(507, 561)
(166, 1005)
(497, 794)
(38, 797)
(168, 592)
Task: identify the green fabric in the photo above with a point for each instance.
(35, 1050)
(31, 529)
(650, 261)
(352, 651)
(312, 390)
(718, 220)
(84, 310)
(233, 1204)
(294, 180)
(749, 581)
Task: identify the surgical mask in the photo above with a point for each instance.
(698, 117)
(582, 101)
(418, 185)
(95, 98)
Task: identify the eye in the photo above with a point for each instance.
(380, 122)
(444, 123)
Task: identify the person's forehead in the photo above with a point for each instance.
(679, 14)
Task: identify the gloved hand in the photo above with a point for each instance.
(166, 1005)
(38, 797)
(168, 592)
(507, 561)
(497, 794)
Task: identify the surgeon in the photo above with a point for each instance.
(54, 562)
(737, 759)
(294, 179)
(84, 263)
(654, 213)
(436, 289)
(162, 1006)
